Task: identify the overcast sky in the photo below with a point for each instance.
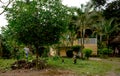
(74, 3)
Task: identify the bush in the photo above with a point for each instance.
(45, 52)
(56, 58)
(76, 48)
(104, 52)
(20, 54)
(87, 53)
(5, 51)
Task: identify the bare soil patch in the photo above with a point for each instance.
(45, 72)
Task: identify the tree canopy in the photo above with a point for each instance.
(112, 10)
(98, 3)
(37, 22)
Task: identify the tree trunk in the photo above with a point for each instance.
(83, 37)
(82, 42)
(71, 41)
(1, 50)
(108, 41)
(100, 40)
(37, 56)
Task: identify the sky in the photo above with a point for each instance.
(70, 3)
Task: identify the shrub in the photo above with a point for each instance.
(56, 58)
(45, 52)
(104, 52)
(5, 51)
(87, 53)
(76, 48)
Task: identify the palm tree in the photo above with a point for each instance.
(105, 28)
(109, 27)
(99, 30)
(84, 21)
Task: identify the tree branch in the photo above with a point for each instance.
(5, 6)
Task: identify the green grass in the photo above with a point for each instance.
(86, 67)
(6, 63)
(82, 68)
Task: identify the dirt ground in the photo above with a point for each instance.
(45, 72)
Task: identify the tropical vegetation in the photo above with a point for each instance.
(49, 23)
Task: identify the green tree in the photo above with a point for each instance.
(72, 30)
(98, 26)
(105, 28)
(37, 22)
(109, 28)
(4, 48)
(98, 3)
(84, 21)
(68, 37)
(113, 11)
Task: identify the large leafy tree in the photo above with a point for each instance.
(98, 4)
(113, 11)
(37, 22)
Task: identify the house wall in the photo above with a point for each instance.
(62, 52)
(93, 47)
(90, 43)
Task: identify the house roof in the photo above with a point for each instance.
(116, 40)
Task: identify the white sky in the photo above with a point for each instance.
(74, 3)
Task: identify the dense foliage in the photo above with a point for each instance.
(46, 22)
(37, 22)
(99, 3)
(113, 11)
(105, 52)
(76, 48)
(87, 52)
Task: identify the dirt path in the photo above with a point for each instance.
(115, 67)
(115, 61)
(45, 72)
